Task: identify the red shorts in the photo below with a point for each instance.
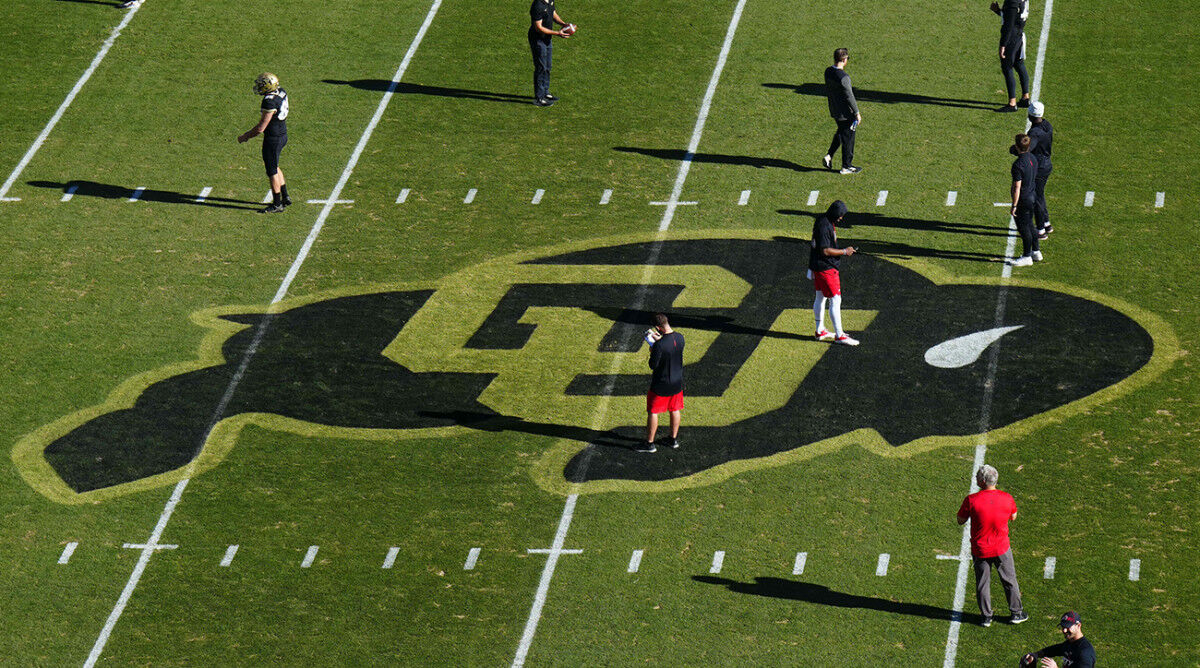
(828, 282)
(657, 404)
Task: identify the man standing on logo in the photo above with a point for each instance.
(1075, 650)
(844, 110)
(666, 381)
(1041, 138)
(1024, 175)
(990, 511)
(542, 30)
(273, 127)
(823, 259)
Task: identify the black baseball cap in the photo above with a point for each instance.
(1069, 619)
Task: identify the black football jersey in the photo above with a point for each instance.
(277, 101)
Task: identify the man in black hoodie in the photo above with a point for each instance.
(1041, 136)
(1076, 651)
(823, 258)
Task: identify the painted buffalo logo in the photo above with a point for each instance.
(549, 343)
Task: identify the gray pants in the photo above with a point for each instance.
(1008, 578)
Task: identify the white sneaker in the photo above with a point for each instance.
(850, 170)
(827, 161)
(1023, 261)
(823, 335)
(845, 340)
(1037, 256)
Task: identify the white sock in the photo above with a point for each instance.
(835, 314)
(819, 311)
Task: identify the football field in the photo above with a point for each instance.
(394, 424)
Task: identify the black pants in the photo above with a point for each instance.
(1007, 66)
(844, 137)
(271, 148)
(543, 50)
(1026, 228)
(1040, 214)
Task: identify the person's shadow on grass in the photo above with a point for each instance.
(869, 219)
(405, 88)
(678, 154)
(623, 437)
(794, 590)
(94, 2)
(886, 97)
(109, 191)
(899, 251)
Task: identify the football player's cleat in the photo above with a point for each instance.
(266, 83)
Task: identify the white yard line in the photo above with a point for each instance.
(62, 108)
(70, 192)
(470, 196)
(718, 562)
(403, 196)
(537, 196)
(539, 601)
(812, 197)
(951, 197)
(169, 508)
(137, 193)
(882, 198)
(744, 199)
(1160, 199)
(310, 556)
(1048, 568)
(67, 552)
(268, 197)
(964, 551)
(606, 196)
(230, 553)
(881, 567)
(204, 194)
(390, 559)
(1089, 198)
(635, 561)
(1135, 570)
(472, 559)
(798, 566)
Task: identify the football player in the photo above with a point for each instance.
(273, 127)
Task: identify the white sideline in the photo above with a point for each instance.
(964, 550)
(169, 508)
(62, 108)
(539, 601)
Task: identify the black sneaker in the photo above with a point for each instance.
(287, 201)
(1048, 229)
(646, 447)
(985, 622)
(552, 98)
(1043, 234)
(674, 443)
(1023, 103)
(543, 102)
(1008, 108)
(1018, 618)
(274, 208)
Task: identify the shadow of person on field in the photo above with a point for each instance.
(899, 251)
(108, 191)
(794, 590)
(885, 97)
(625, 437)
(719, 158)
(869, 219)
(94, 2)
(405, 88)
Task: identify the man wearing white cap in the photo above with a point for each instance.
(1042, 135)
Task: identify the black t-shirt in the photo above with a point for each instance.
(541, 11)
(277, 101)
(1024, 169)
(666, 365)
(823, 236)
(1077, 654)
(1042, 135)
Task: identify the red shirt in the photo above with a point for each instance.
(989, 510)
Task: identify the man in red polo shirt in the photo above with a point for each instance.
(990, 510)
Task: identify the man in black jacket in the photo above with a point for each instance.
(543, 18)
(1024, 173)
(1041, 134)
(844, 110)
(1012, 50)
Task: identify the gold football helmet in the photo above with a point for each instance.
(266, 83)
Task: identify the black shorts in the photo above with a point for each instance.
(271, 147)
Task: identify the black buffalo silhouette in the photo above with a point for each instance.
(322, 363)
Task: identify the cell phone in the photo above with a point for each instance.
(854, 125)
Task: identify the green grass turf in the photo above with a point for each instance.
(97, 290)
